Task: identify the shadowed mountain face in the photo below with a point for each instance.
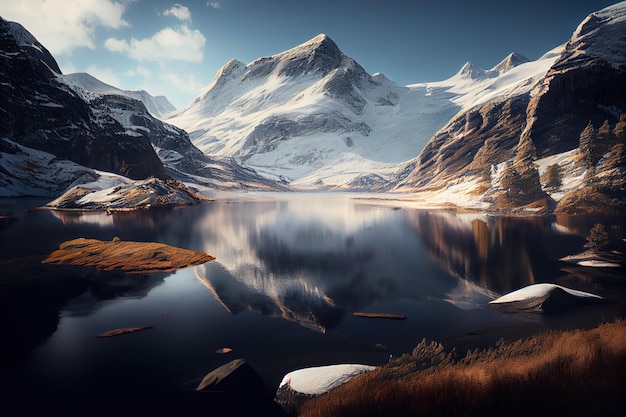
(42, 113)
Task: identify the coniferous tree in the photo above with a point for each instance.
(587, 142)
(604, 140)
(553, 176)
(598, 238)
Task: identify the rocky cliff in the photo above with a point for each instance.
(496, 155)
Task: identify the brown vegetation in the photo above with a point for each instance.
(573, 373)
(124, 256)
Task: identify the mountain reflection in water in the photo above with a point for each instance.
(311, 258)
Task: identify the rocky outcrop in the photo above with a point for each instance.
(236, 389)
(470, 143)
(130, 195)
(95, 126)
(236, 376)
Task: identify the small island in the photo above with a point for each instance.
(124, 256)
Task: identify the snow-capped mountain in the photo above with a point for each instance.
(314, 118)
(570, 116)
(311, 116)
(157, 106)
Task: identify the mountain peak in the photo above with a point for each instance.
(322, 43)
(317, 54)
(232, 67)
(471, 72)
(511, 61)
(319, 39)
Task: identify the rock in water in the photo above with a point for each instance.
(543, 298)
(237, 377)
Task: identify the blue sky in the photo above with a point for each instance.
(175, 48)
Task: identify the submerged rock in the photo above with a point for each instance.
(543, 298)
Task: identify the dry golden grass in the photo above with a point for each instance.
(124, 256)
(573, 373)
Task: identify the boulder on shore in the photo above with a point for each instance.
(543, 298)
(303, 384)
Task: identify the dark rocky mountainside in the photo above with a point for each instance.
(42, 113)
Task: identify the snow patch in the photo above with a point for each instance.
(537, 291)
(322, 379)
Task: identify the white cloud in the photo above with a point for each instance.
(180, 12)
(105, 75)
(140, 71)
(214, 4)
(187, 85)
(182, 44)
(67, 67)
(179, 89)
(64, 25)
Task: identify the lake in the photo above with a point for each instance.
(290, 271)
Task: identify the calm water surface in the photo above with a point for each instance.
(290, 270)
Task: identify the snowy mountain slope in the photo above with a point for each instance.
(82, 83)
(569, 119)
(514, 75)
(181, 159)
(27, 171)
(313, 117)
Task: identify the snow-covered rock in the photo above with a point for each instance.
(542, 298)
(321, 379)
(302, 384)
(127, 195)
(313, 118)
